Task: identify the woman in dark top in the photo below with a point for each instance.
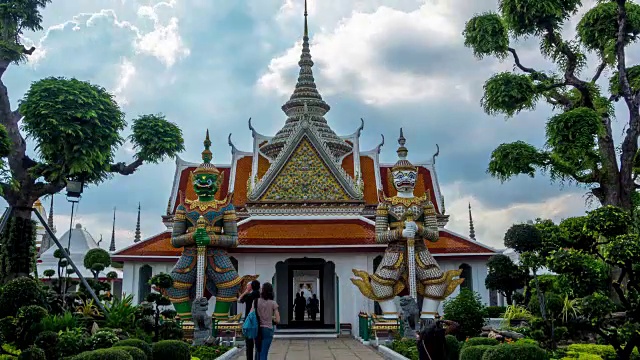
(314, 307)
(251, 293)
(299, 307)
(432, 341)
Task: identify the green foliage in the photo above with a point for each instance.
(475, 341)
(523, 238)
(495, 311)
(155, 138)
(508, 93)
(608, 221)
(120, 313)
(633, 74)
(71, 342)
(473, 352)
(516, 158)
(598, 28)
(162, 281)
(104, 354)
(137, 343)
(103, 339)
(534, 17)
(49, 273)
(605, 352)
(97, 260)
(61, 322)
(467, 310)
(76, 126)
(20, 292)
(32, 353)
(8, 328)
(504, 276)
(406, 347)
(571, 136)
(452, 347)
(515, 351)
(134, 352)
(17, 248)
(28, 324)
(18, 16)
(47, 341)
(171, 350)
(583, 272)
(213, 352)
(486, 34)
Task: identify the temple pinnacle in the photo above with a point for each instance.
(207, 155)
(306, 26)
(402, 151)
(472, 230)
(112, 245)
(137, 236)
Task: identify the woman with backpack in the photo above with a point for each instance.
(268, 315)
(250, 295)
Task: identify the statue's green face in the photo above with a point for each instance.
(205, 185)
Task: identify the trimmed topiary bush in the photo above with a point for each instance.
(137, 343)
(104, 354)
(171, 350)
(32, 353)
(20, 292)
(135, 353)
(452, 346)
(103, 339)
(495, 311)
(606, 352)
(473, 352)
(47, 341)
(513, 351)
(480, 341)
(468, 311)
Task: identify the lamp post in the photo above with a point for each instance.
(74, 194)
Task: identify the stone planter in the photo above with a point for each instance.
(230, 354)
(390, 354)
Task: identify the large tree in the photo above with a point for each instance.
(504, 276)
(580, 147)
(75, 127)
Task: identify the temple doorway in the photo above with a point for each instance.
(306, 277)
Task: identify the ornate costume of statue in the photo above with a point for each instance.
(211, 225)
(404, 222)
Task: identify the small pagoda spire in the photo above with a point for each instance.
(306, 26)
(50, 219)
(472, 230)
(112, 245)
(137, 237)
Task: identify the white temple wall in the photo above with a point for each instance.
(350, 301)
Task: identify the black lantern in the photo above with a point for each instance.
(74, 189)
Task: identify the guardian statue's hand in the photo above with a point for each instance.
(201, 237)
(411, 225)
(408, 233)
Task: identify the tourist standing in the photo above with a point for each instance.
(432, 339)
(248, 297)
(299, 305)
(267, 311)
(314, 307)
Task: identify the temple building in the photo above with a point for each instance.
(306, 200)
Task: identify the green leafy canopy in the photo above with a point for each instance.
(156, 138)
(16, 16)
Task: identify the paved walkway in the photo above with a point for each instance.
(319, 349)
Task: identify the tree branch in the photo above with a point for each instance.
(599, 71)
(124, 169)
(41, 189)
(618, 289)
(516, 59)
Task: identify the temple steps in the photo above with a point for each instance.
(305, 334)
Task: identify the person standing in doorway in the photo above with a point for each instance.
(299, 306)
(248, 297)
(314, 307)
(267, 311)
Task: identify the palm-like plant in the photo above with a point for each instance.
(120, 313)
(570, 309)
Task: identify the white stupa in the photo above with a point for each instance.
(79, 243)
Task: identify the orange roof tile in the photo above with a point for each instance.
(370, 191)
(347, 164)
(305, 233)
(243, 172)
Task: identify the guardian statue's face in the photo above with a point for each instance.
(205, 184)
(404, 180)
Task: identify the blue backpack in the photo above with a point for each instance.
(251, 325)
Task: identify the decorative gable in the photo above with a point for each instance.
(305, 177)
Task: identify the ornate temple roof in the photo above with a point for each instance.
(306, 92)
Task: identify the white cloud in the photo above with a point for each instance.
(349, 62)
(491, 224)
(127, 72)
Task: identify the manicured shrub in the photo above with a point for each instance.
(495, 311)
(28, 324)
(135, 353)
(104, 354)
(47, 341)
(606, 352)
(71, 342)
(171, 350)
(467, 310)
(404, 347)
(473, 352)
(103, 339)
(19, 292)
(453, 347)
(32, 353)
(8, 328)
(137, 343)
(480, 341)
(513, 351)
(213, 352)
(581, 356)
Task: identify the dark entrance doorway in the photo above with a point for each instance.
(316, 276)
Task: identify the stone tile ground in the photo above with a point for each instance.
(319, 349)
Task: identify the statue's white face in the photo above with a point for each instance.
(404, 180)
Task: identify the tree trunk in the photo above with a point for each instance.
(19, 247)
(509, 296)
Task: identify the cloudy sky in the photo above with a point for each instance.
(215, 63)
